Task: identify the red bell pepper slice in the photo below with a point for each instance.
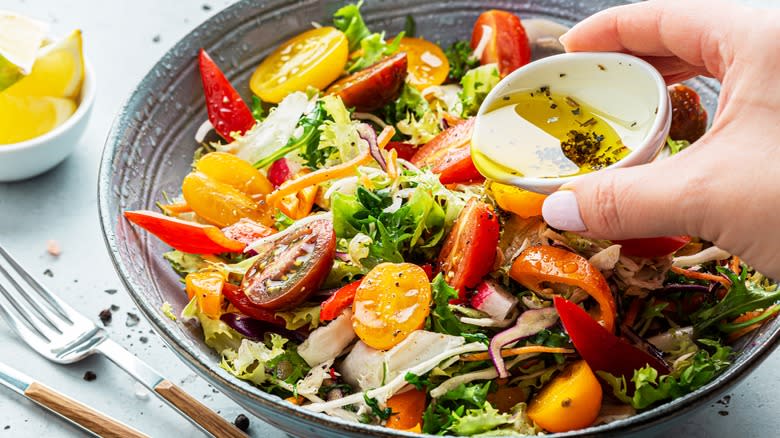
(652, 246)
(227, 112)
(331, 308)
(189, 237)
(240, 301)
(602, 350)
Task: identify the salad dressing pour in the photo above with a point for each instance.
(536, 133)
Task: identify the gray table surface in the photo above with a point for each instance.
(123, 39)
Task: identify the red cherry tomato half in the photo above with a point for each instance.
(291, 267)
(469, 251)
(507, 44)
(449, 155)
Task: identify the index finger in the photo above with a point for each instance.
(695, 31)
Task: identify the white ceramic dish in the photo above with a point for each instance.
(32, 157)
(623, 86)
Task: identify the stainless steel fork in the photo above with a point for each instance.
(61, 334)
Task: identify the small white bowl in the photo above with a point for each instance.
(621, 85)
(32, 157)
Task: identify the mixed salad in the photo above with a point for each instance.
(340, 250)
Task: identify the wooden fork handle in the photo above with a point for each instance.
(86, 417)
(189, 405)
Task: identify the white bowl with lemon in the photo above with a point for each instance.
(47, 89)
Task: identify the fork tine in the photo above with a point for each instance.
(33, 306)
(52, 300)
(22, 326)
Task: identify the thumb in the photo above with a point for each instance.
(651, 200)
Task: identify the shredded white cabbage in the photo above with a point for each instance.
(386, 391)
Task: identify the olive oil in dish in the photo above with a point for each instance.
(537, 133)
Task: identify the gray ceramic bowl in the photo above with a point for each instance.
(150, 146)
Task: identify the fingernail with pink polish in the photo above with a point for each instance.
(562, 39)
(561, 211)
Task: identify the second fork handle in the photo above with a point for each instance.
(188, 406)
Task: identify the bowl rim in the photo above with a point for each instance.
(235, 388)
(88, 92)
(661, 122)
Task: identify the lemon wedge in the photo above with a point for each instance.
(58, 71)
(20, 40)
(26, 117)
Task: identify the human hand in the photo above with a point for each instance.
(722, 188)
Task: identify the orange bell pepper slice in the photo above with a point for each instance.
(298, 205)
(538, 265)
(407, 409)
(516, 200)
(189, 237)
(206, 287)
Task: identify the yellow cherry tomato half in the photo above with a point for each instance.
(516, 200)
(206, 287)
(427, 63)
(233, 171)
(220, 203)
(314, 58)
(572, 400)
(392, 301)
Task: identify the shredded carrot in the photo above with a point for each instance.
(701, 276)
(175, 209)
(325, 174)
(632, 313)
(735, 265)
(747, 316)
(392, 164)
(295, 400)
(528, 349)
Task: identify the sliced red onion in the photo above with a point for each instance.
(367, 133)
(344, 257)
(255, 329)
(528, 324)
(494, 300)
(282, 170)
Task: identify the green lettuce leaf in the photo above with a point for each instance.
(216, 333)
(442, 319)
(473, 394)
(373, 48)
(742, 297)
(349, 20)
(301, 316)
(420, 130)
(339, 140)
(409, 103)
(478, 420)
(477, 83)
(184, 263)
(675, 146)
(651, 388)
(250, 362)
(307, 142)
(416, 227)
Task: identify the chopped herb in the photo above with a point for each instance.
(410, 27)
(461, 60)
(382, 414)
